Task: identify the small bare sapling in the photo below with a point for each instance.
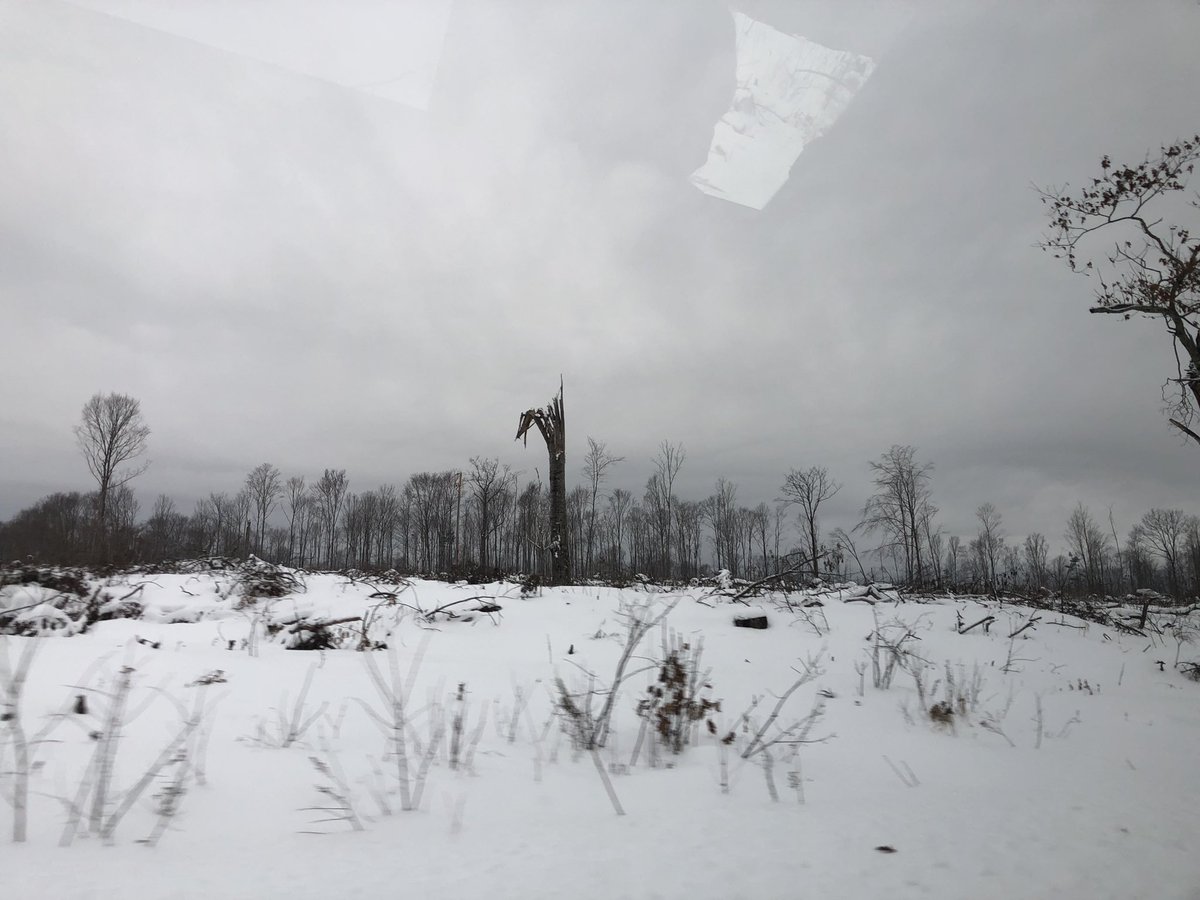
(12, 684)
(392, 716)
(769, 735)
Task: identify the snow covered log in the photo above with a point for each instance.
(750, 618)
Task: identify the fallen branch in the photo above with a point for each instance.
(433, 612)
(136, 590)
(793, 569)
(1127, 629)
(305, 625)
(986, 622)
(1033, 620)
(1066, 625)
(16, 609)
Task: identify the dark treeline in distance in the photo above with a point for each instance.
(485, 519)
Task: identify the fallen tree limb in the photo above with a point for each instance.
(445, 606)
(124, 597)
(986, 621)
(1065, 625)
(305, 625)
(1033, 620)
(17, 609)
(1127, 629)
(793, 569)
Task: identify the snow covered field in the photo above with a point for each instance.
(1061, 765)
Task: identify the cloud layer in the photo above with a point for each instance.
(284, 268)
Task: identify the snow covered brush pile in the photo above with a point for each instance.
(36, 600)
(42, 601)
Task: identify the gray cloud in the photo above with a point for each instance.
(285, 269)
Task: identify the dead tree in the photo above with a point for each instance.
(552, 424)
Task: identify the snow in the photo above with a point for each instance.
(1105, 807)
(790, 91)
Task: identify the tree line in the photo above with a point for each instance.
(485, 519)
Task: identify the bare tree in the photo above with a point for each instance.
(619, 503)
(552, 423)
(1120, 556)
(689, 538)
(222, 512)
(953, 559)
(295, 499)
(1089, 544)
(577, 501)
(667, 464)
(242, 534)
(657, 505)
(1012, 563)
(843, 544)
(111, 434)
(808, 489)
(531, 514)
(1162, 532)
(721, 511)
(900, 505)
(488, 482)
(1191, 554)
(431, 497)
(596, 464)
(639, 531)
(760, 521)
(933, 542)
(389, 521)
(264, 487)
(1150, 268)
(358, 524)
(122, 524)
(202, 527)
(991, 541)
(164, 532)
(329, 494)
(777, 528)
(1036, 551)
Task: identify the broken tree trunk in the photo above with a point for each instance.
(551, 422)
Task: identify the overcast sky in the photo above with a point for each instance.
(210, 206)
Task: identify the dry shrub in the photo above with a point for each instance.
(676, 703)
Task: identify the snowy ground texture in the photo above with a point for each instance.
(1095, 796)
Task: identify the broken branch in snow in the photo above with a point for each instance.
(986, 622)
(1032, 620)
(791, 570)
